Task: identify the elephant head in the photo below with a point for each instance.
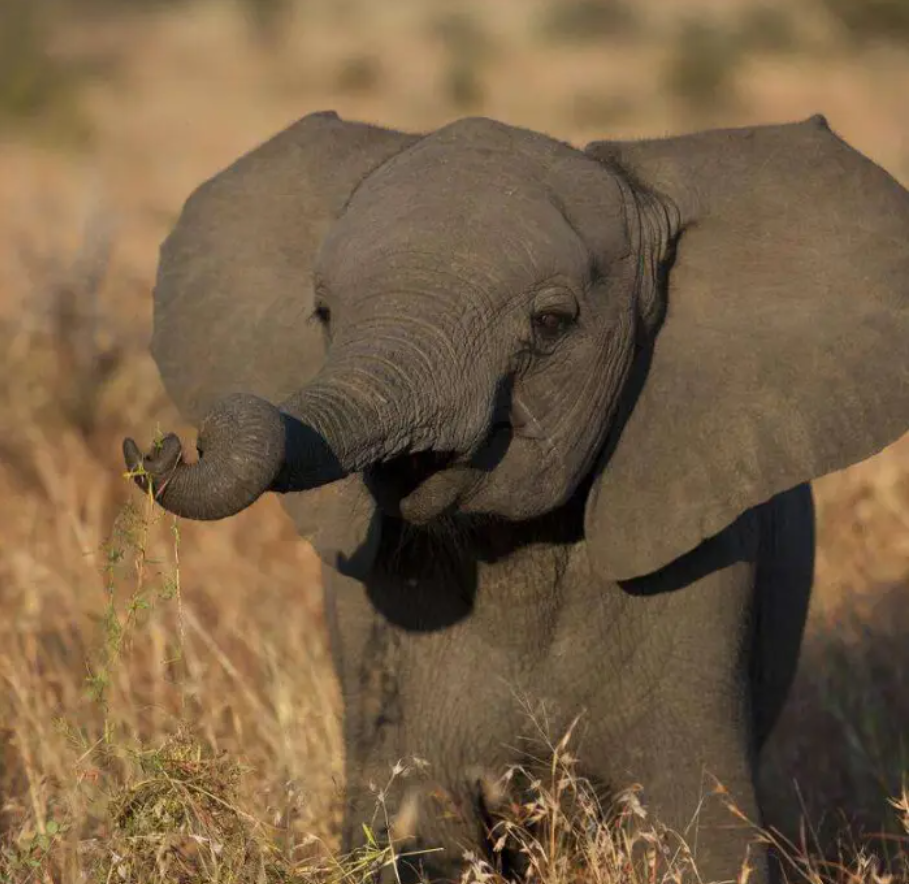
(484, 320)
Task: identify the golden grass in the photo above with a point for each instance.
(104, 657)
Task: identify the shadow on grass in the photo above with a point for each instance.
(839, 751)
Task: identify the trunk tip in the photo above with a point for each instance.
(154, 468)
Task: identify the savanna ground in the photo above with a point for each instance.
(119, 628)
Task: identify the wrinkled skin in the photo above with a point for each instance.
(548, 416)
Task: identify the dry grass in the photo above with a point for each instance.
(105, 655)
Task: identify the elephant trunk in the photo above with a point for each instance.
(247, 446)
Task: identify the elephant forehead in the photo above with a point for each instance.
(482, 236)
(493, 178)
(428, 250)
(482, 193)
(478, 204)
(462, 219)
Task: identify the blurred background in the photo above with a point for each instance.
(111, 112)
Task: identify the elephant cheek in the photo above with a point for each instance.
(526, 484)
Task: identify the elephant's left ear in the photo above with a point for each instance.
(784, 352)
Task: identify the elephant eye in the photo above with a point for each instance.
(550, 324)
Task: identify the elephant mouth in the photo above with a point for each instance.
(421, 486)
(417, 486)
(409, 471)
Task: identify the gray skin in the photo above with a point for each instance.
(548, 415)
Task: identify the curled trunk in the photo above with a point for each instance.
(248, 446)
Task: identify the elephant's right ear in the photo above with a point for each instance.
(233, 298)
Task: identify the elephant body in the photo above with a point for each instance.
(548, 415)
(678, 678)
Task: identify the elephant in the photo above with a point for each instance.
(549, 416)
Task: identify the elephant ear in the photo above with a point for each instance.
(233, 298)
(784, 350)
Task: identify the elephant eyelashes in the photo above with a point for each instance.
(322, 314)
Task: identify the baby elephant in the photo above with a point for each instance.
(548, 415)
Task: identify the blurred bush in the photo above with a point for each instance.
(34, 83)
(360, 73)
(706, 53)
(40, 84)
(267, 17)
(701, 66)
(867, 21)
(600, 108)
(468, 47)
(765, 28)
(582, 20)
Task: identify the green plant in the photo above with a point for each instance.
(176, 818)
(28, 858)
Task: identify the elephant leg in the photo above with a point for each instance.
(424, 826)
(679, 709)
(696, 785)
(695, 768)
(362, 652)
(429, 817)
